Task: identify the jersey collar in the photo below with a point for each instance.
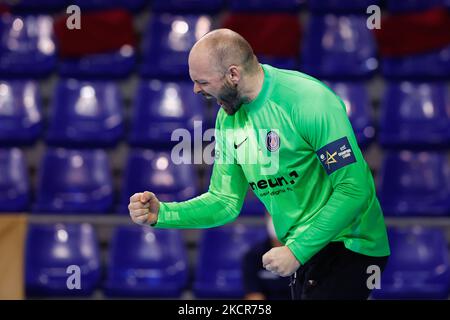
(264, 93)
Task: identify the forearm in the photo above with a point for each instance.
(344, 205)
(205, 211)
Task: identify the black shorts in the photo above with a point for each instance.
(335, 273)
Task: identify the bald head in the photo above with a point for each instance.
(222, 48)
(222, 66)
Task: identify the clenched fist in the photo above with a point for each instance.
(281, 261)
(144, 208)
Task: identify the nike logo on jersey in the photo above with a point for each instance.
(238, 145)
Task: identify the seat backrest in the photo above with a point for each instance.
(145, 248)
(265, 5)
(155, 172)
(20, 111)
(419, 255)
(168, 40)
(222, 249)
(159, 101)
(187, 6)
(50, 251)
(338, 46)
(14, 180)
(71, 180)
(422, 105)
(414, 174)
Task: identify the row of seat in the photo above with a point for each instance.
(334, 46)
(146, 262)
(80, 181)
(91, 113)
(233, 5)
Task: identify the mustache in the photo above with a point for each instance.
(206, 95)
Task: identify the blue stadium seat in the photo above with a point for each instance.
(33, 6)
(279, 62)
(265, 5)
(356, 99)
(187, 6)
(395, 6)
(155, 172)
(419, 266)
(27, 46)
(146, 262)
(162, 107)
(20, 112)
(118, 64)
(218, 273)
(51, 249)
(338, 47)
(14, 181)
(341, 6)
(415, 184)
(167, 42)
(415, 115)
(430, 65)
(252, 206)
(74, 181)
(86, 114)
(131, 5)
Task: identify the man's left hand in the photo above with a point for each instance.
(281, 261)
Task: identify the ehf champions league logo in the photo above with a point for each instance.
(272, 141)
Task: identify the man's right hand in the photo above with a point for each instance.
(144, 208)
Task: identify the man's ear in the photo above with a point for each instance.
(234, 74)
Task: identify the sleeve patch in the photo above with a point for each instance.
(335, 155)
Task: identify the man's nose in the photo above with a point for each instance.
(197, 88)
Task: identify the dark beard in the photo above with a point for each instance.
(230, 98)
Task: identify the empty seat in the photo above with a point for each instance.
(20, 112)
(38, 6)
(265, 5)
(146, 262)
(430, 65)
(395, 6)
(132, 5)
(338, 46)
(419, 266)
(219, 271)
(147, 170)
(167, 42)
(56, 252)
(341, 6)
(74, 181)
(252, 206)
(415, 115)
(277, 62)
(117, 64)
(162, 107)
(14, 181)
(27, 46)
(415, 184)
(356, 99)
(86, 114)
(187, 6)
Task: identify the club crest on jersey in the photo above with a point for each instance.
(272, 141)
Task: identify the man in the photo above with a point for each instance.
(321, 195)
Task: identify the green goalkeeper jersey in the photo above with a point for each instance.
(295, 148)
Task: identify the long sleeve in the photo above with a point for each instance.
(324, 124)
(223, 201)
